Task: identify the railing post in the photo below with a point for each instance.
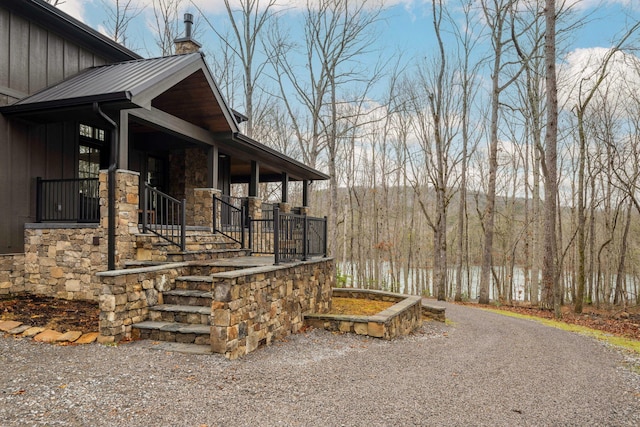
(145, 194)
(215, 216)
(305, 236)
(242, 225)
(183, 225)
(276, 235)
(250, 227)
(38, 199)
(324, 246)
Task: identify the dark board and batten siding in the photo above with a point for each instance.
(32, 58)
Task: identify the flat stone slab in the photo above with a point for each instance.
(32, 331)
(7, 325)
(181, 348)
(20, 329)
(70, 336)
(182, 308)
(183, 328)
(48, 335)
(189, 293)
(87, 338)
(195, 279)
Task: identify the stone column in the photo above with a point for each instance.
(284, 207)
(127, 205)
(203, 207)
(255, 207)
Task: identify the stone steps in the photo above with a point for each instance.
(197, 315)
(173, 332)
(197, 283)
(188, 297)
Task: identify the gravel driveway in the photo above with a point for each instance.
(483, 369)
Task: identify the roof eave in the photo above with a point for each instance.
(312, 173)
(19, 109)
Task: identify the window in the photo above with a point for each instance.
(92, 132)
(89, 162)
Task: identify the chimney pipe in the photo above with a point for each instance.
(188, 22)
(187, 44)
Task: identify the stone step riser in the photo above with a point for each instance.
(193, 286)
(179, 317)
(168, 336)
(184, 300)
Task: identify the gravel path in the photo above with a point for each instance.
(483, 369)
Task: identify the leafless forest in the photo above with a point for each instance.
(498, 165)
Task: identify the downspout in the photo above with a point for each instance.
(111, 188)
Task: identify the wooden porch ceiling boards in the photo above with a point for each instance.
(192, 100)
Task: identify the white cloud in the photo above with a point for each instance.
(74, 8)
(582, 69)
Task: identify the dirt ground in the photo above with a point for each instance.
(83, 316)
(51, 313)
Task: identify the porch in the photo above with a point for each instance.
(262, 228)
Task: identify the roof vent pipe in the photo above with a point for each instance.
(188, 22)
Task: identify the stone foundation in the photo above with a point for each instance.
(251, 307)
(255, 306)
(62, 260)
(12, 274)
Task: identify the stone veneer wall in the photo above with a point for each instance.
(128, 294)
(61, 260)
(253, 307)
(12, 274)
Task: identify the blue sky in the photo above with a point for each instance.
(407, 23)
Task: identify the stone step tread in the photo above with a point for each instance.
(181, 308)
(195, 279)
(182, 348)
(188, 293)
(183, 328)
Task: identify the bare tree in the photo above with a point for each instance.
(166, 24)
(119, 16)
(336, 34)
(550, 283)
(247, 25)
(497, 14)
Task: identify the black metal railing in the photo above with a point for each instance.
(289, 237)
(67, 200)
(261, 236)
(229, 218)
(163, 216)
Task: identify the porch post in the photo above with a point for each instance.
(123, 140)
(212, 167)
(285, 187)
(254, 179)
(305, 193)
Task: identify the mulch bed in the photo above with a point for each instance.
(51, 313)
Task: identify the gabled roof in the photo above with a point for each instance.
(139, 84)
(180, 85)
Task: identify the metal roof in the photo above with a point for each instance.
(122, 81)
